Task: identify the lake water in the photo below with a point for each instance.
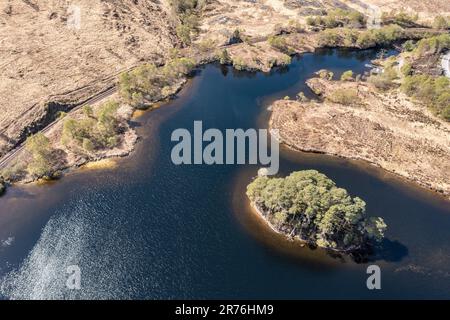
(150, 229)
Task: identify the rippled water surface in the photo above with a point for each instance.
(149, 229)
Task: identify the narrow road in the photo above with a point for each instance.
(6, 159)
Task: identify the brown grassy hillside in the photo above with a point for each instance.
(44, 56)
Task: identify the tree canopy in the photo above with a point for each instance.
(96, 130)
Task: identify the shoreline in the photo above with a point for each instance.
(124, 151)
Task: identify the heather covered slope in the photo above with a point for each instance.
(46, 57)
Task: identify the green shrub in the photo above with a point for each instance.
(239, 64)
(100, 130)
(380, 37)
(385, 80)
(329, 38)
(88, 145)
(88, 112)
(206, 45)
(187, 11)
(338, 18)
(144, 84)
(41, 151)
(380, 82)
(184, 34)
(14, 172)
(400, 18)
(284, 61)
(301, 97)
(440, 23)
(295, 26)
(177, 68)
(363, 39)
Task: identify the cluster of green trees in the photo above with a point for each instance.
(148, 83)
(347, 76)
(384, 80)
(347, 37)
(338, 18)
(224, 57)
(434, 92)
(41, 151)
(325, 74)
(441, 23)
(380, 37)
(400, 18)
(240, 64)
(432, 45)
(308, 204)
(345, 96)
(95, 130)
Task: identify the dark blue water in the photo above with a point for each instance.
(150, 229)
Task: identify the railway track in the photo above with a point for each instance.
(5, 160)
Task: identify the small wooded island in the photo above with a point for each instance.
(308, 206)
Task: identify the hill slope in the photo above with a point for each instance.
(64, 51)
